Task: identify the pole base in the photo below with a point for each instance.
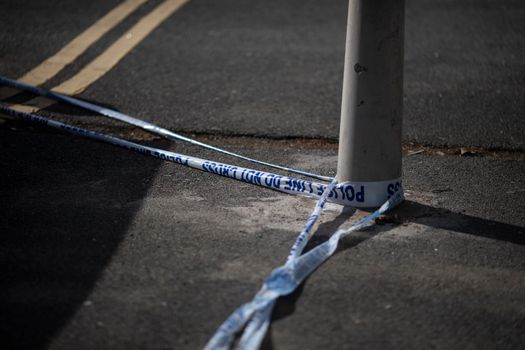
(372, 194)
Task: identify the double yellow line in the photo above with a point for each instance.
(101, 64)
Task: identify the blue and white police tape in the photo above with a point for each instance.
(155, 129)
(283, 280)
(256, 319)
(255, 316)
(256, 328)
(344, 194)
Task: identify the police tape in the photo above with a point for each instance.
(150, 127)
(257, 326)
(253, 318)
(344, 194)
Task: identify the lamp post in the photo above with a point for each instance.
(369, 155)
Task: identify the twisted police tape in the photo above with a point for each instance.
(344, 194)
(155, 129)
(257, 317)
(254, 316)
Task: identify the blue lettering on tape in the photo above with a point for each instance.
(393, 188)
(277, 181)
(349, 191)
(211, 167)
(360, 195)
(36, 119)
(297, 185)
(272, 181)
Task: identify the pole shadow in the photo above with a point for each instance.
(407, 212)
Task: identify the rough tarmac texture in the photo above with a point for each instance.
(274, 68)
(104, 248)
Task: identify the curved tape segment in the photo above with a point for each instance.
(344, 194)
(143, 124)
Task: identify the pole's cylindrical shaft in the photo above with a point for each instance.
(372, 103)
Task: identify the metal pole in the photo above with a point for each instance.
(372, 105)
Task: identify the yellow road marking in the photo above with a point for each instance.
(54, 64)
(33, 105)
(109, 58)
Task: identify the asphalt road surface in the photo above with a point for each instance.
(102, 248)
(274, 68)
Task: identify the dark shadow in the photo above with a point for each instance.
(285, 305)
(445, 219)
(326, 229)
(60, 108)
(19, 98)
(66, 204)
(407, 212)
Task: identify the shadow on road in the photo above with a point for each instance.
(408, 212)
(444, 219)
(65, 207)
(58, 108)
